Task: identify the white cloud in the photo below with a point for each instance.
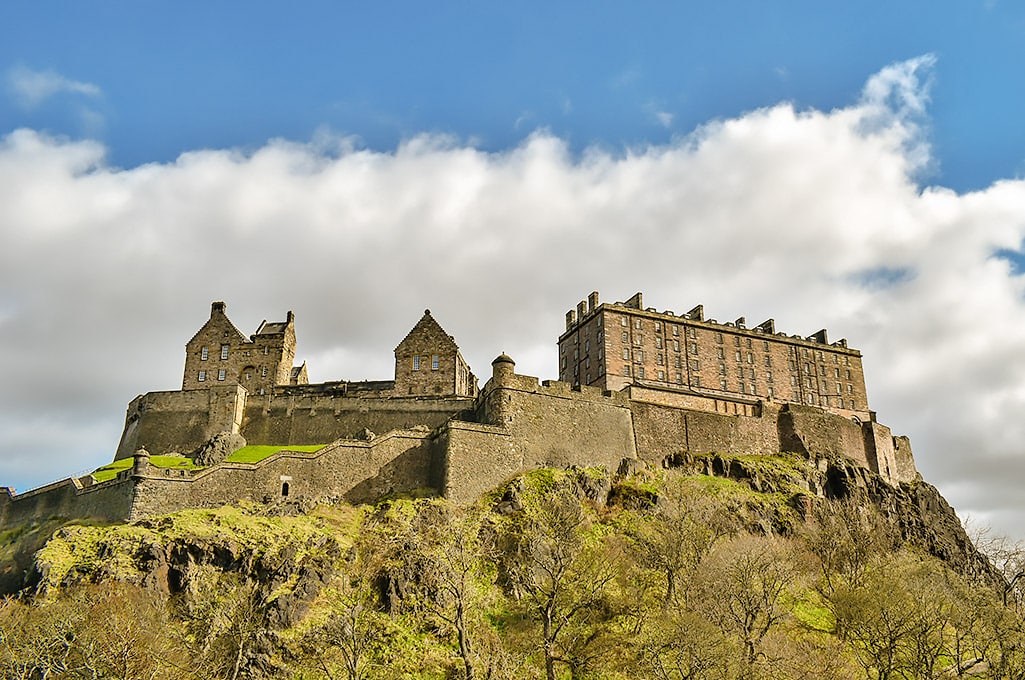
(31, 88)
(814, 218)
(664, 118)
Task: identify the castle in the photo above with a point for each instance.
(636, 386)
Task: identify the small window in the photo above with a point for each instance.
(202, 376)
(263, 372)
(204, 353)
(722, 385)
(638, 339)
(284, 489)
(638, 355)
(750, 358)
(434, 362)
(679, 378)
(640, 372)
(658, 325)
(694, 365)
(637, 324)
(739, 357)
(838, 389)
(220, 374)
(722, 369)
(691, 333)
(850, 389)
(622, 321)
(676, 330)
(658, 342)
(660, 359)
(720, 353)
(693, 347)
(626, 337)
(748, 342)
(224, 352)
(765, 345)
(768, 361)
(771, 393)
(626, 353)
(852, 404)
(768, 376)
(676, 345)
(416, 362)
(626, 370)
(718, 338)
(661, 375)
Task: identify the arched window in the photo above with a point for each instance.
(284, 489)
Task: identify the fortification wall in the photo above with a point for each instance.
(475, 458)
(806, 429)
(289, 417)
(179, 422)
(67, 499)
(663, 431)
(553, 425)
(355, 471)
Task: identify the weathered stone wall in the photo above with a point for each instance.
(179, 422)
(664, 431)
(553, 425)
(904, 459)
(804, 429)
(293, 417)
(398, 462)
(109, 501)
(475, 458)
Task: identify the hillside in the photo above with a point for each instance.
(727, 567)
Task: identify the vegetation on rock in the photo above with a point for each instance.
(726, 568)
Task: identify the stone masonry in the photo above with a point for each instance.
(431, 431)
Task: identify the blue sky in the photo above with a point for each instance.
(174, 77)
(858, 166)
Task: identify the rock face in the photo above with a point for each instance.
(921, 515)
(217, 448)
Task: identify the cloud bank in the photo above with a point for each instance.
(815, 218)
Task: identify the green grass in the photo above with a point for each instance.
(247, 454)
(254, 454)
(110, 471)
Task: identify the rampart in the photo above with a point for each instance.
(453, 446)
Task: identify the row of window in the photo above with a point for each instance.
(220, 375)
(204, 352)
(417, 360)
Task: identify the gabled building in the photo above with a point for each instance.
(220, 355)
(427, 361)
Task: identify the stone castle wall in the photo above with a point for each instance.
(518, 424)
(292, 417)
(80, 499)
(178, 422)
(355, 471)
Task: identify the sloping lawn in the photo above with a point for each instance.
(110, 471)
(247, 454)
(254, 454)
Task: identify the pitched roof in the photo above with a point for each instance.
(430, 333)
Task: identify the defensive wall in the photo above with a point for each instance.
(179, 422)
(515, 424)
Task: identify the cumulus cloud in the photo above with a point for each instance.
(814, 218)
(31, 88)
